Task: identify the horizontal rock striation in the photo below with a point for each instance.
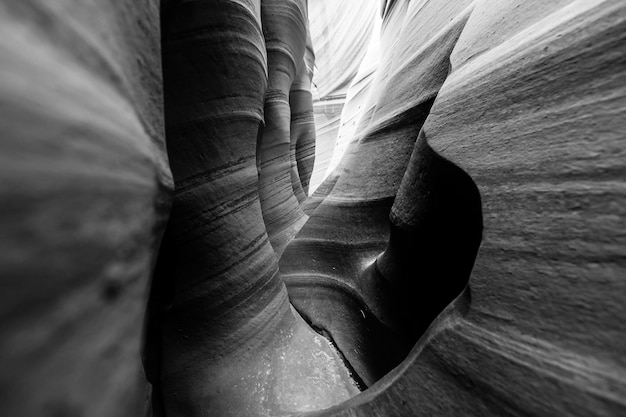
(89, 190)
(521, 141)
(231, 344)
(302, 128)
(284, 28)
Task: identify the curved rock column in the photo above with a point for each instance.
(284, 27)
(232, 345)
(302, 149)
(532, 111)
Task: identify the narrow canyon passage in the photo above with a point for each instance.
(229, 340)
(228, 337)
(312, 208)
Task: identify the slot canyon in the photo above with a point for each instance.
(312, 207)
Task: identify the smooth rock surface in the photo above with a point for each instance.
(302, 129)
(285, 31)
(340, 31)
(85, 195)
(530, 114)
(231, 345)
(350, 227)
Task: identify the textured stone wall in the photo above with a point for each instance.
(519, 108)
(238, 114)
(89, 192)
(85, 194)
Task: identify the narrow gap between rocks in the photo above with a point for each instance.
(221, 332)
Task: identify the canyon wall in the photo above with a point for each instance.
(85, 195)
(509, 120)
(465, 256)
(89, 191)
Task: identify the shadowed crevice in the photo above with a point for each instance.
(435, 233)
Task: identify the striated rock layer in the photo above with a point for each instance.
(302, 128)
(518, 108)
(336, 250)
(88, 190)
(231, 343)
(284, 28)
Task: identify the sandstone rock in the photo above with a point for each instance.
(302, 128)
(85, 194)
(284, 28)
(231, 343)
(350, 228)
(529, 116)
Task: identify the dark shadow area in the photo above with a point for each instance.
(436, 229)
